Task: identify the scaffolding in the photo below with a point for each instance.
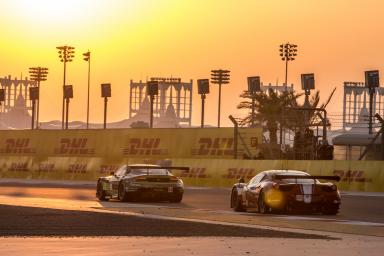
(14, 88)
(356, 105)
(172, 91)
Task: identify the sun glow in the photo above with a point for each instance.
(59, 11)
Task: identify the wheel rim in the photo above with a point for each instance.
(121, 192)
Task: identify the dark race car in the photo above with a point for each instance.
(141, 182)
(286, 190)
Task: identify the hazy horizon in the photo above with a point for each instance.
(337, 40)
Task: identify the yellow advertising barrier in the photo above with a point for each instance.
(355, 175)
(130, 143)
(89, 154)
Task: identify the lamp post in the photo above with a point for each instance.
(105, 93)
(219, 77)
(66, 54)
(87, 57)
(38, 74)
(202, 89)
(68, 94)
(152, 91)
(288, 52)
(371, 82)
(33, 96)
(253, 88)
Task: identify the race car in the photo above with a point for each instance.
(141, 182)
(286, 191)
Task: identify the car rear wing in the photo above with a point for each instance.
(309, 177)
(183, 168)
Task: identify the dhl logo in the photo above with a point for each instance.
(147, 146)
(351, 176)
(236, 173)
(18, 167)
(77, 168)
(194, 173)
(17, 146)
(74, 146)
(214, 147)
(46, 167)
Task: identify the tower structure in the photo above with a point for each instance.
(173, 95)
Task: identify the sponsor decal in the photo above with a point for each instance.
(74, 146)
(351, 176)
(214, 147)
(17, 146)
(107, 169)
(194, 173)
(237, 173)
(46, 167)
(18, 167)
(254, 142)
(146, 146)
(77, 168)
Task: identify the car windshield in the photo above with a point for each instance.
(150, 171)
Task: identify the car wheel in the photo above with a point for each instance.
(100, 193)
(122, 194)
(261, 205)
(177, 198)
(330, 210)
(236, 202)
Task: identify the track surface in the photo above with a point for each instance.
(364, 208)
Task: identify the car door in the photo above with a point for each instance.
(252, 189)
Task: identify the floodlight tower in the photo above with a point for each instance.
(288, 52)
(253, 88)
(152, 91)
(219, 77)
(38, 74)
(203, 89)
(371, 82)
(87, 57)
(66, 54)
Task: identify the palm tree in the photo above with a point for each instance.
(269, 106)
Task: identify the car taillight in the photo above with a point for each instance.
(174, 179)
(140, 179)
(334, 187)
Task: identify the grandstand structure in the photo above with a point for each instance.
(174, 101)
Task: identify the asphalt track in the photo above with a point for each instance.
(359, 207)
(66, 219)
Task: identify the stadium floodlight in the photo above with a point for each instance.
(66, 54)
(219, 77)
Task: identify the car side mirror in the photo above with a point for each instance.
(112, 173)
(241, 180)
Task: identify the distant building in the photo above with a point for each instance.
(172, 106)
(14, 113)
(351, 144)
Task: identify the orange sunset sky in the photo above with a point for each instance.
(134, 39)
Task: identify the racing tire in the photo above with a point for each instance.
(122, 195)
(261, 205)
(236, 202)
(100, 193)
(331, 210)
(176, 198)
